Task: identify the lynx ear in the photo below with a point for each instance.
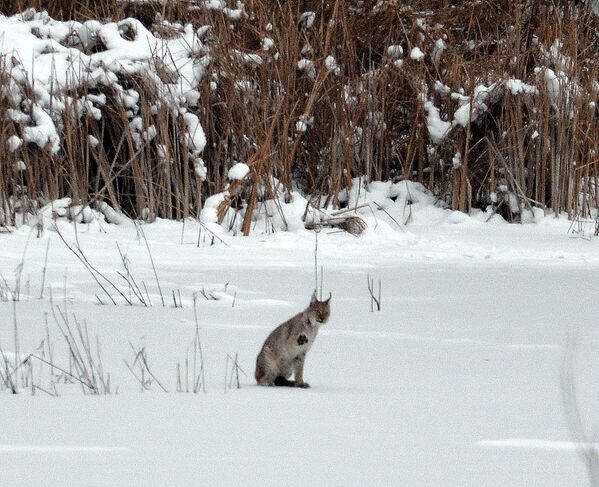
(313, 299)
(330, 296)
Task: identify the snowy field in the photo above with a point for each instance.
(454, 382)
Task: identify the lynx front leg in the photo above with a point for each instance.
(298, 364)
(262, 378)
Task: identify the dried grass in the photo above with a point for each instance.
(368, 119)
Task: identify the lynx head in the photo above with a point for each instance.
(319, 311)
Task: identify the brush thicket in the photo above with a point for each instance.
(317, 128)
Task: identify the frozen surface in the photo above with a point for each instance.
(455, 382)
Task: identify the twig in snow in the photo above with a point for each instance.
(44, 270)
(152, 262)
(374, 300)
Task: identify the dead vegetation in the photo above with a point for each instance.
(312, 94)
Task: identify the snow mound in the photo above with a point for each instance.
(284, 212)
(385, 206)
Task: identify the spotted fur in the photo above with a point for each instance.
(284, 351)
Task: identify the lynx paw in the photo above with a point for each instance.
(303, 385)
(282, 381)
(263, 381)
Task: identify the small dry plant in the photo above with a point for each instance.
(40, 371)
(195, 365)
(140, 369)
(232, 370)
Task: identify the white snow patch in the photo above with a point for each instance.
(457, 160)
(330, 64)
(304, 64)
(238, 171)
(437, 127)
(250, 59)
(44, 133)
(518, 87)
(301, 126)
(394, 51)
(471, 107)
(20, 166)
(267, 43)
(196, 137)
(438, 51)
(93, 141)
(307, 19)
(13, 143)
(416, 54)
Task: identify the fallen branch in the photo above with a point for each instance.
(353, 225)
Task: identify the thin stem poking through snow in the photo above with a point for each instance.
(141, 231)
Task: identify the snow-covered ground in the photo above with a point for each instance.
(454, 382)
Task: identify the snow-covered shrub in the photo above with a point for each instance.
(99, 111)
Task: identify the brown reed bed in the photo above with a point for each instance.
(352, 107)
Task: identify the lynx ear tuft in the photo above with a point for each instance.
(313, 299)
(330, 296)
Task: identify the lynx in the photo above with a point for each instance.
(285, 349)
